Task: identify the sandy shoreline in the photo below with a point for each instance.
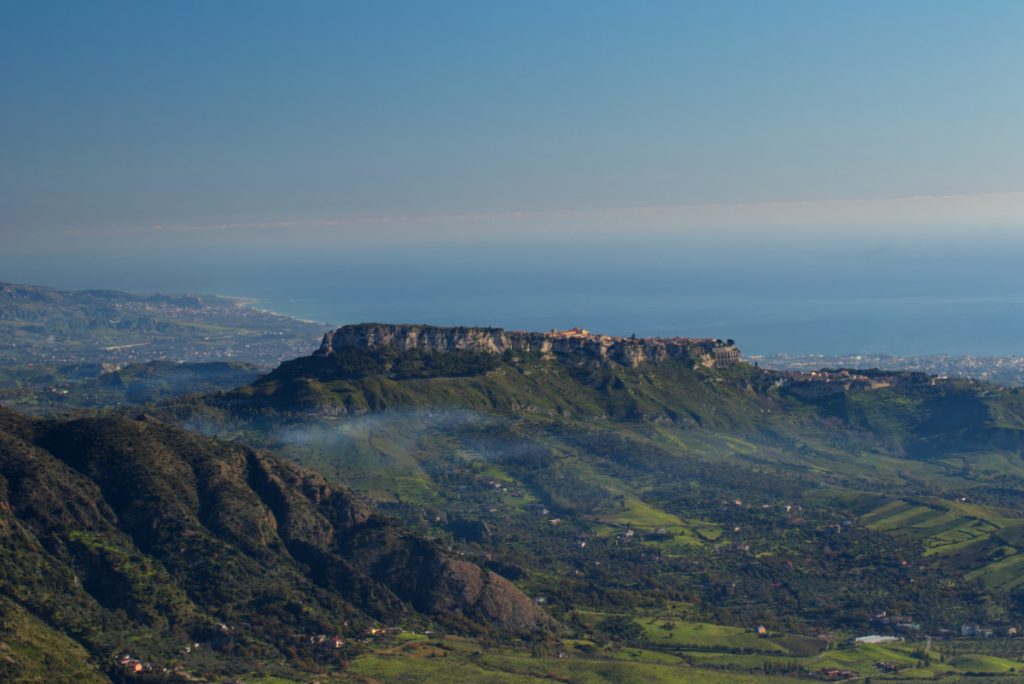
(250, 303)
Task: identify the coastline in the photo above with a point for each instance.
(252, 303)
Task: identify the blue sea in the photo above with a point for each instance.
(761, 325)
(835, 298)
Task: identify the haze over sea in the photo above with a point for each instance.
(867, 294)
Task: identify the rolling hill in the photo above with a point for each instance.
(749, 496)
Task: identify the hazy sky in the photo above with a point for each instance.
(284, 122)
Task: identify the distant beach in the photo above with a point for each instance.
(255, 304)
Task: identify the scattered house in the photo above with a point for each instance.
(762, 630)
(887, 666)
(133, 664)
(336, 641)
(972, 629)
(1011, 631)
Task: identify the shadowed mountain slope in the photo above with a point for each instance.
(130, 533)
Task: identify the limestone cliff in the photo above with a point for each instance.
(577, 345)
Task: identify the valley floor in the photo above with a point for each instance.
(723, 658)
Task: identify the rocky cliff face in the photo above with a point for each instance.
(578, 345)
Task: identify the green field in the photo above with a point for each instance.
(983, 542)
(718, 660)
(667, 632)
(459, 660)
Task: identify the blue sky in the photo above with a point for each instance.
(330, 122)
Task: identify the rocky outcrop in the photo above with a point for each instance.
(487, 598)
(575, 344)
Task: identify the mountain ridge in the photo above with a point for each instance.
(123, 532)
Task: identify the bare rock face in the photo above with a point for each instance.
(425, 338)
(485, 597)
(575, 344)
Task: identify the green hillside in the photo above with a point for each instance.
(752, 497)
(49, 389)
(539, 518)
(133, 537)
